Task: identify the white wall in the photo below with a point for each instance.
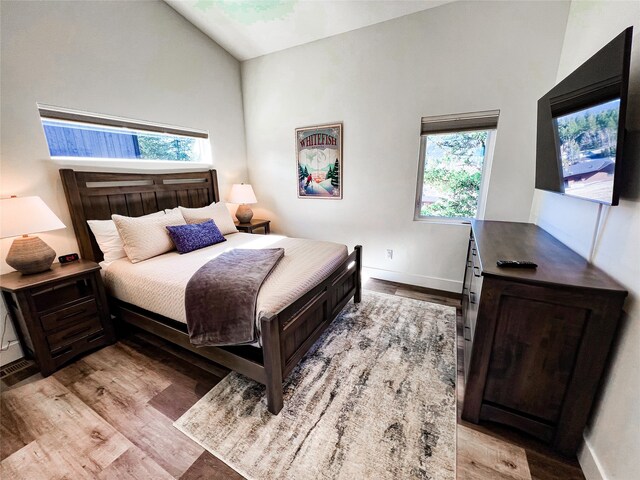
(380, 81)
(613, 437)
(134, 59)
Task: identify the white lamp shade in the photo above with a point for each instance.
(25, 215)
(242, 193)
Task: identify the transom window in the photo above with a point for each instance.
(455, 158)
(83, 135)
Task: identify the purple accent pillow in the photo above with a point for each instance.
(194, 236)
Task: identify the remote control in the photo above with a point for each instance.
(516, 264)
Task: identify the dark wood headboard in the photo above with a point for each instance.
(98, 195)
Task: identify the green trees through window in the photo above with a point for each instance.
(453, 166)
(166, 147)
(589, 133)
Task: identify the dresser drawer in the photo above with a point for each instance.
(80, 329)
(68, 315)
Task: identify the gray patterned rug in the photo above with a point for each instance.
(374, 399)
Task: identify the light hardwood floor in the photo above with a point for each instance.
(110, 415)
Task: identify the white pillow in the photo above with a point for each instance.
(218, 212)
(108, 238)
(146, 237)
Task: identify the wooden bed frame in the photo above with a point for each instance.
(286, 336)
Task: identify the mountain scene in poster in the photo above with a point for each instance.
(319, 168)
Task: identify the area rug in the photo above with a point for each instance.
(374, 399)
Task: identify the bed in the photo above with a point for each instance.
(288, 326)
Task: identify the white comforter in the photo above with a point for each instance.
(159, 284)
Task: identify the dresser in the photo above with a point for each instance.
(59, 314)
(536, 341)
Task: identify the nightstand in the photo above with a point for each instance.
(60, 313)
(254, 224)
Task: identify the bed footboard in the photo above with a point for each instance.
(287, 336)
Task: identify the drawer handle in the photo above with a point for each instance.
(76, 332)
(56, 354)
(72, 314)
(95, 336)
(478, 270)
(472, 297)
(469, 263)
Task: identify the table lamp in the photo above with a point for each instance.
(242, 193)
(21, 216)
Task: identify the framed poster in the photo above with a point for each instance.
(319, 161)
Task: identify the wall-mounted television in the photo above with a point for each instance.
(581, 127)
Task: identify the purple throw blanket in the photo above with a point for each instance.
(221, 296)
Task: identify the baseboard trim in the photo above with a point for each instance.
(414, 279)
(591, 467)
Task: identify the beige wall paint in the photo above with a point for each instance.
(612, 440)
(380, 81)
(134, 59)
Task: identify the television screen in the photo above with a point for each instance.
(580, 139)
(587, 142)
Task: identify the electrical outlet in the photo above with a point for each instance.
(389, 254)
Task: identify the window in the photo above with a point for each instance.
(83, 135)
(455, 158)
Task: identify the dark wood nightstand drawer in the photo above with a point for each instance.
(90, 342)
(62, 294)
(69, 335)
(68, 315)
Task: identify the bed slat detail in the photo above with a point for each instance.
(149, 202)
(166, 199)
(99, 207)
(183, 198)
(194, 198)
(134, 204)
(118, 205)
(203, 197)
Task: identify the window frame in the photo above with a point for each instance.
(447, 124)
(78, 117)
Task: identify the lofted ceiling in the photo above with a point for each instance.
(251, 28)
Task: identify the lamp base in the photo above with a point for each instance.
(30, 255)
(244, 214)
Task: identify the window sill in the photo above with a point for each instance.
(446, 221)
(130, 165)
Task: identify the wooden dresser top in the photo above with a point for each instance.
(557, 263)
